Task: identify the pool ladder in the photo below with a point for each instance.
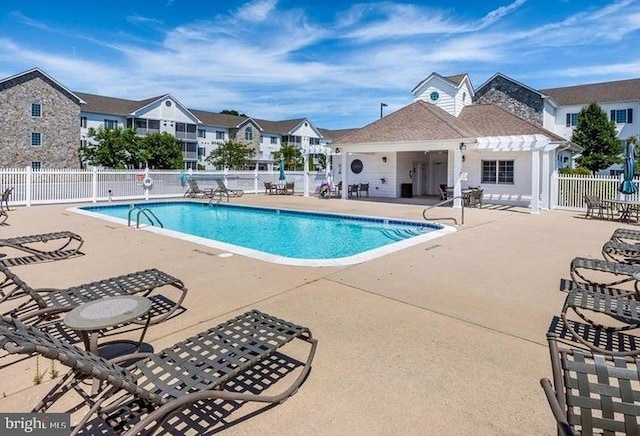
(153, 219)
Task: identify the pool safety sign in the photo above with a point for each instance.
(139, 179)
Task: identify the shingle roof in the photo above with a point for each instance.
(493, 120)
(280, 127)
(110, 105)
(457, 79)
(334, 135)
(219, 120)
(26, 76)
(418, 121)
(621, 90)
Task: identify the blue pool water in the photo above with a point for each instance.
(282, 233)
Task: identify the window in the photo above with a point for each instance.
(36, 165)
(497, 171)
(314, 141)
(36, 139)
(219, 135)
(83, 121)
(202, 133)
(621, 116)
(274, 139)
(201, 152)
(110, 124)
(36, 110)
(248, 134)
(572, 119)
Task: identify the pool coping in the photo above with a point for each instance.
(274, 258)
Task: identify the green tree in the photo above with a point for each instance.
(597, 135)
(292, 156)
(160, 151)
(234, 155)
(115, 148)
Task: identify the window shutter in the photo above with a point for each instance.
(568, 120)
(629, 115)
(613, 115)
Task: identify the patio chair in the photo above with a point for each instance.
(269, 188)
(152, 388)
(289, 188)
(595, 204)
(5, 199)
(363, 187)
(475, 197)
(194, 191)
(40, 304)
(42, 247)
(337, 190)
(592, 393)
(603, 274)
(223, 190)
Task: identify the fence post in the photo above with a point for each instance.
(146, 188)
(28, 187)
(94, 184)
(255, 179)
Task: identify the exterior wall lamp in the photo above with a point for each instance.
(384, 158)
(463, 147)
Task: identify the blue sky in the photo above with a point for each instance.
(333, 62)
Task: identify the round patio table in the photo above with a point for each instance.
(90, 318)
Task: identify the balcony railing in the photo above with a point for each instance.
(186, 135)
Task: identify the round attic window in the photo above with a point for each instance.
(356, 166)
(434, 96)
(168, 103)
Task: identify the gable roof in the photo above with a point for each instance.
(455, 80)
(219, 120)
(509, 79)
(419, 121)
(620, 90)
(334, 135)
(283, 127)
(493, 120)
(36, 72)
(115, 106)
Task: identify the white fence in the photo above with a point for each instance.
(570, 189)
(68, 186)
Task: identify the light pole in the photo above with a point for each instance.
(381, 106)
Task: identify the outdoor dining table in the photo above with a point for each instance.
(626, 207)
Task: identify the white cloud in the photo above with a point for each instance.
(256, 11)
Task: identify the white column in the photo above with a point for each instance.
(535, 182)
(546, 177)
(343, 176)
(255, 179)
(457, 171)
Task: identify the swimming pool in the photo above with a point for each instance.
(278, 235)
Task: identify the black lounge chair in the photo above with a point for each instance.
(628, 236)
(592, 393)
(46, 304)
(194, 190)
(156, 387)
(42, 247)
(222, 190)
(603, 273)
(621, 252)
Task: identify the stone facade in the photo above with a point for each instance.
(59, 123)
(515, 98)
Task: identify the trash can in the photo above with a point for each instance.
(406, 190)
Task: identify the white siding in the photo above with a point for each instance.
(447, 100)
(160, 111)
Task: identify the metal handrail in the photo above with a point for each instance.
(146, 212)
(448, 200)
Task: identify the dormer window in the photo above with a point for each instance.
(434, 96)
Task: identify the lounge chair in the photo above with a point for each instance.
(194, 190)
(626, 235)
(42, 247)
(621, 252)
(215, 364)
(27, 302)
(592, 393)
(223, 190)
(602, 273)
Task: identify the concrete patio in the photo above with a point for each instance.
(447, 337)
